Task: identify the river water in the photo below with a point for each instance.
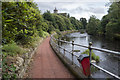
(107, 61)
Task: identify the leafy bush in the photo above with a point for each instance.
(45, 34)
(97, 58)
(93, 56)
(58, 31)
(56, 36)
(12, 49)
(8, 70)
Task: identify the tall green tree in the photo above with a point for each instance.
(23, 26)
(113, 28)
(75, 23)
(60, 22)
(93, 25)
(104, 22)
(84, 22)
(67, 22)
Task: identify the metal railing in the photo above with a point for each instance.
(56, 43)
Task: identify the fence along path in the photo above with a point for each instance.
(46, 64)
(53, 40)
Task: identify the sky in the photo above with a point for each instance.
(76, 8)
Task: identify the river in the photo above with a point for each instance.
(107, 61)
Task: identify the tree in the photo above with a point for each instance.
(112, 27)
(84, 22)
(67, 22)
(75, 23)
(60, 22)
(93, 25)
(23, 26)
(104, 22)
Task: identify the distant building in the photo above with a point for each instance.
(56, 11)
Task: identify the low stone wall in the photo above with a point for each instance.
(74, 69)
(23, 61)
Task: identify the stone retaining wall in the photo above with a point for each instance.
(23, 61)
(77, 71)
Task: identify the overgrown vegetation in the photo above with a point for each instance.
(109, 25)
(8, 70)
(23, 26)
(60, 22)
(93, 56)
(12, 49)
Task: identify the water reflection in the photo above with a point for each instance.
(107, 61)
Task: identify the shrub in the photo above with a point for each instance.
(8, 70)
(93, 56)
(97, 58)
(58, 32)
(45, 34)
(12, 49)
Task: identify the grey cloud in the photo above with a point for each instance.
(97, 10)
(72, 7)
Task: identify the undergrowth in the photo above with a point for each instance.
(93, 56)
(8, 69)
(12, 49)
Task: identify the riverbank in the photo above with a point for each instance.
(107, 61)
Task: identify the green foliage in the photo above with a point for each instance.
(97, 58)
(48, 16)
(93, 56)
(67, 22)
(109, 25)
(24, 25)
(58, 31)
(93, 25)
(113, 22)
(45, 26)
(104, 22)
(84, 22)
(50, 27)
(59, 34)
(45, 34)
(12, 49)
(8, 70)
(61, 22)
(76, 23)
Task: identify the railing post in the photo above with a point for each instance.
(58, 44)
(64, 49)
(90, 49)
(72, 50)
(64, 52)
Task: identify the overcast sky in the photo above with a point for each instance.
(75, 8)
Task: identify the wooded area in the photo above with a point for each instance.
(22, 21)
(109, 25)
(23, 24)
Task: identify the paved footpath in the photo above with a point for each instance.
(46, 64)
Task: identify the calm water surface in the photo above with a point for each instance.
(107, 61)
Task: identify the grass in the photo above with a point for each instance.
(12, 49)
(93, 56)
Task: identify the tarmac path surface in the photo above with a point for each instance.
(46, 64)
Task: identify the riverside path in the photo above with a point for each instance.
(46, 64)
